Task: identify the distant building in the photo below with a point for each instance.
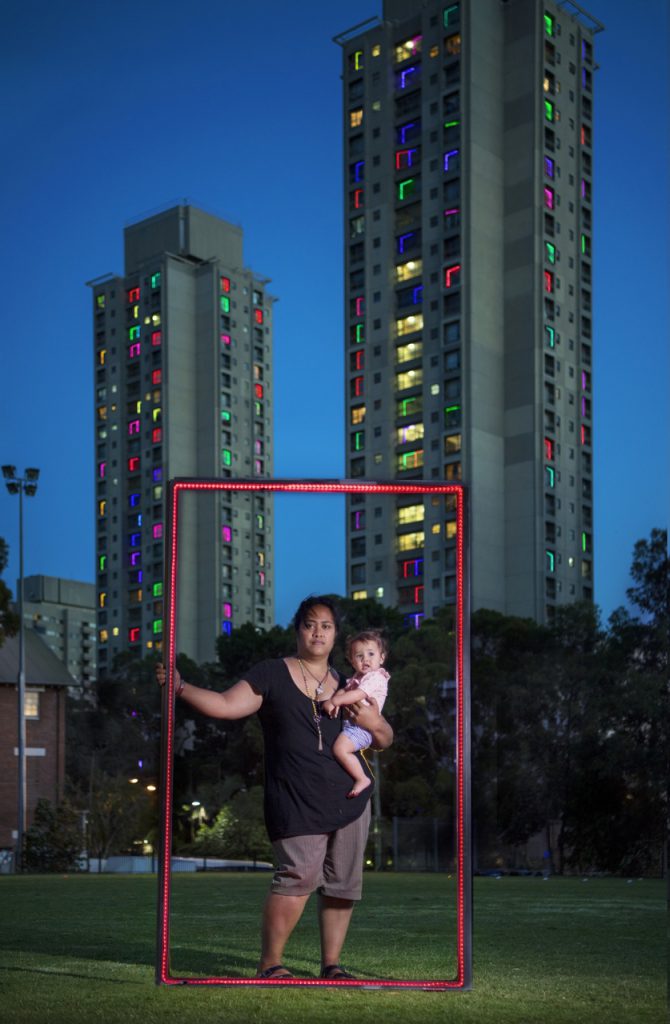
(47, 683)
(468, 198)
(63, 613)
(183, 388)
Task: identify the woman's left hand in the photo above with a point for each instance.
(365, 713)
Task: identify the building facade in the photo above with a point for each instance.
(468, 169)
(183, 388)
(47, 685)
(63, 613)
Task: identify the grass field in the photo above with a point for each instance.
(80, 949)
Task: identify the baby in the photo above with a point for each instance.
(366, 652)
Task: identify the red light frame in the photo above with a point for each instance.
(177, 487)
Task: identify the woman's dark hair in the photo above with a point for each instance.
(309, 603)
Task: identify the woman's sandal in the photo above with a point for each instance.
(278, 971)
(333, 972)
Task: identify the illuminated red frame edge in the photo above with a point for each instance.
(463, 979)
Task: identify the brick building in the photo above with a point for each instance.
(47, 681)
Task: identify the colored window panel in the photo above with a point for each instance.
(157, 377)
(156, 280)
(225, 285)
(156, 338)
(450, 15)
(452, 275)
(226, 457)
(134, 464)
(134, 635)
(225, 304)
(133, 295)
(258, 316)
(156, 435)
(258, 390)
(157, 590)
(227, 534)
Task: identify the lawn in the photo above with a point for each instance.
(80, 949)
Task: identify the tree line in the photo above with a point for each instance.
(569, 736)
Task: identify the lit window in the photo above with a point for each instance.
(356, 117)
(549, 167)
(406, 271)
(450, 530)
(411, 514)
(408, 48)
(258, 316)
(102, 599)
(549, 25)
(103, 636)
(357, 415)
(102, 508)
(548, 110)
(100, 301)
(548, 281)
(226, 456)
(452, 44)
(258, 390)
(226, 534)
(225, 284)
(548, 197)
(412, 350)
(409, 324)
(452, 444)
(412, 432)
(376, 50)
(409, 379)
(550, 252)
(409, 541)
(225, 304)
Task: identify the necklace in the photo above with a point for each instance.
(319, 682)
(315, 711)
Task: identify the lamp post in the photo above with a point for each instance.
(21, 485)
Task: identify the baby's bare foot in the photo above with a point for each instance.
(359, 788)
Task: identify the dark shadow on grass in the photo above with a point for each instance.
(70, 974)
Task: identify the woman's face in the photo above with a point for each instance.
(317, 633)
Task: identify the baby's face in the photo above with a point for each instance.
(366, 656)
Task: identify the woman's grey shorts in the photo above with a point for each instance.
(331, 862)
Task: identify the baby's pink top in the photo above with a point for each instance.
(374, 683)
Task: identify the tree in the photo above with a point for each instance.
(238, 830)
(9, 620)
(54, 840)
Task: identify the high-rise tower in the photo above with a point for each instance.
(183, 388)
(468, 164)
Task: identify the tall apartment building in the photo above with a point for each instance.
(183, 388)
(468, 168)
(63, 613)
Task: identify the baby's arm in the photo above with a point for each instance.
(344, 697)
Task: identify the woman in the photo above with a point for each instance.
(317, 833)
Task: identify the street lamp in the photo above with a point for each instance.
(21, 485)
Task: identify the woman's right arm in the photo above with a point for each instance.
(239, 701)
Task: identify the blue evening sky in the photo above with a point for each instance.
(111, 111)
